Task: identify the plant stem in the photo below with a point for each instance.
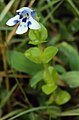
(31, 110)
(73, 6)
(53, 10)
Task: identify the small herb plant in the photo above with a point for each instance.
(40, 54)
(40, 70)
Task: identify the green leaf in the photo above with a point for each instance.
(51, 98)
(50, 75)
(36, 78)
(74, 25)
(64, 31)
(60, 68)
(71, 54)
(59, 96)
(49, 88)
(72, 112)
(33, 54)
(19, 62)
(55, 39)
(49, 53)
(71, 78)
(62, 97)
(38, 36)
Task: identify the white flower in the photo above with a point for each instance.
(25, 18)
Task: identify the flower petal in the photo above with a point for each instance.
(22, 28)
(13, 21)
(24, 9)
(33, 24)
(33, 13)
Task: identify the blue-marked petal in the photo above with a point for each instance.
(34, 24)
(24, 19)
(22, 28)
(24, 9)
(33, 13)
(13, 21)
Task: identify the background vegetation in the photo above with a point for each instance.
(21, 96)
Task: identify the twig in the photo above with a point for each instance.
(2, 74)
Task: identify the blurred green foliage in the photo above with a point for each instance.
(34, 84)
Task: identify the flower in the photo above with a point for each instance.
(25, 18)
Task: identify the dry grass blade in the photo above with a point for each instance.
(6, 9)
(11, 34)
(31, 3)
(2, 74)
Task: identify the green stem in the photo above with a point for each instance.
(53, 10)
(73, 6)
(48, 5)
(31, 110)
(44, 64)
(10, 114)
